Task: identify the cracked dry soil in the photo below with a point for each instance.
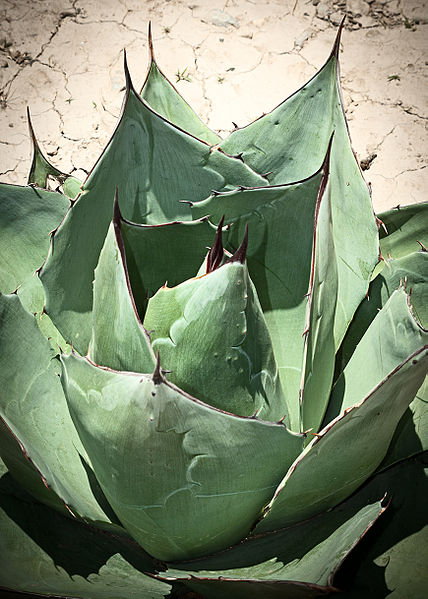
(230, 59)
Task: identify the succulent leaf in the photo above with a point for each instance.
(319, 347)
(411, 435)
(152, 251)
(281, 221)
(136, 430)
(412, 271)
(162, 96)
(407, 228)
(43, 552)
(27, 216)
(392, 559)
(41, 169)
(378, 353)
(34, 412)
(291, 141)
(119, 342)
(308, 554)
(143, 149)
(212, 337)
(347, 450)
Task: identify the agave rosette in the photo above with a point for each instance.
(239, 392)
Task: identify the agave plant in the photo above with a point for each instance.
(214, 386)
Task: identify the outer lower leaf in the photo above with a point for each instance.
(43, 552)
(301, 560)
(155, 165)
(156, 254)
(280, 223)
(393, 335)
(348, 450)
(162, 96)
(212, 337)
(119, 339)
(391, 561)
(291, 142)
(35, 412)
(182, 477)
(27, 216)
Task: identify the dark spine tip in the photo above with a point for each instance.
(129, 84)
(31, 128)
(326, 163)
(150, 42)
(117, 215)
(241, 252)
(215, 255)
(423, 248)
(157, 376)
(336, 46)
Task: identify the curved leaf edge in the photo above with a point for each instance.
(318, 437)
(153, 61)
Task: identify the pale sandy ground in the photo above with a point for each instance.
(64, 59)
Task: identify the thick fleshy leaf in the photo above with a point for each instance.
(162, 96)
(32, 297)
(291, 142)
(45, 553)
(391, 560)
(406, 226)
(72, 186)
(182, 477)
(212, 337)
(154, 165)
(119, 339)
(411, 436)
(393, 335)
(27, 216)
(305, 556)
(158, 254)
(281, 224)
(319, 348)
(35, 413)
(348, 450)
(411, 271)
(41, 169)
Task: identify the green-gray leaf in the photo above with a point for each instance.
(45, 553)
(348, 450)
(393, 335)
(41, 169)
(154, 165)
(212, 337)
(119, 339)
(34, 410)
(181, 476)
(280, 224)
(27, 216)
(162, 96)
(291, 142)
